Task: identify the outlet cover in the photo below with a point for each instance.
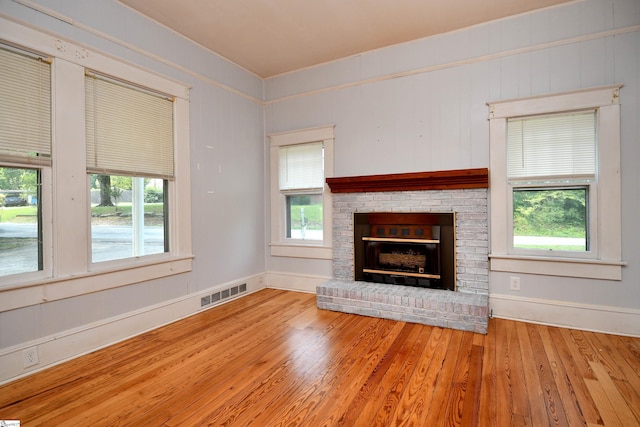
(30, 357)
(515, 283)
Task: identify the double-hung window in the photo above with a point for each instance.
(551, 175)
(129, 134)
(555, 184)
(300, 200)
(25, 158)
(301, 182)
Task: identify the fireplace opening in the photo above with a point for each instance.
(411, 249)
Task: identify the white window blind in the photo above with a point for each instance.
(25, 108)
(129, 130)
(555, 145)
(301, 166)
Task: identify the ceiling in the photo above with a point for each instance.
(271, 37)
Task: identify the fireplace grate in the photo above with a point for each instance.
(411, 249)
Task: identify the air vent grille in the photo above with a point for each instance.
(218, 297)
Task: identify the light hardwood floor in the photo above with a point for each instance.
(272, 358)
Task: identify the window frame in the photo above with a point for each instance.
(68, 270)
(179, 226)
(604, 260)
(280, 245)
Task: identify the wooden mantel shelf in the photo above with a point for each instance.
(415, 181)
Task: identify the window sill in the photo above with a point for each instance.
(301, 250)
(24, 294)
(563, 267)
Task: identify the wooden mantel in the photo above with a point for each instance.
(414, 181)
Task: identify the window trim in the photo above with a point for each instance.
(606, 262)
(296, 248)
(67, 268)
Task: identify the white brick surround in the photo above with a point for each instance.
(466, 309)
(470, 206)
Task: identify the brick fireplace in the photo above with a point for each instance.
(462, 193)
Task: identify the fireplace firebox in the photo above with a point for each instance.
(411, 249)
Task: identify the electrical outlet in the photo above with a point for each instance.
(30, 357)
(515, 283)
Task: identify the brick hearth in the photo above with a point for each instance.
(435, 307)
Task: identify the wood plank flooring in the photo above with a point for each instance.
(273, 359)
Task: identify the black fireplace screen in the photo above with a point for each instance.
(414, 249)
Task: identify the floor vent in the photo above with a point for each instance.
(222, 295)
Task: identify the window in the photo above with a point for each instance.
(70, 120)
(301, 182)
(300, 202)
(550, 171)
(555, 184)
(129, 131)
(25, 149)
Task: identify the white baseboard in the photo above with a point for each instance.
(294, 282)
(595, 318)
(67, 345)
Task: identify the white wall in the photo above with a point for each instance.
(227, 175)
(421, 106)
